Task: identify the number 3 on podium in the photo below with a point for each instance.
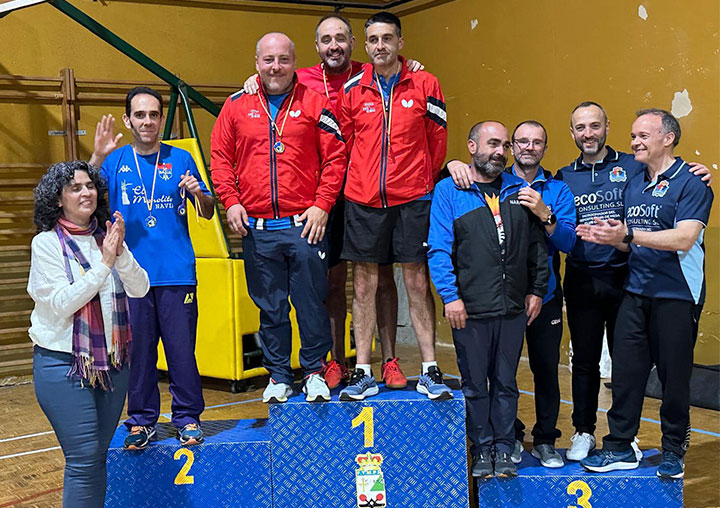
(366, 418)
(579, 486)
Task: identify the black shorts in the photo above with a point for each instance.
(397, 234)
(335, 233)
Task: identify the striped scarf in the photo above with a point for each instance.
(89, 347)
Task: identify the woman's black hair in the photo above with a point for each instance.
(49, 190)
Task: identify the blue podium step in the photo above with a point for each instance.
(396, 449)
(232, 468)
(572, 486)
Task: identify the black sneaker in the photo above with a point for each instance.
(482, 466)
(139, 437)
(504, 466)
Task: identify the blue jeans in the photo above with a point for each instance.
(84, 420)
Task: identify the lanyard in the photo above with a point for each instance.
(387, 110)
(149, 203)
(322, 66)
(279, 147)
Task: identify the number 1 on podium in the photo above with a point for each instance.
(366, 418)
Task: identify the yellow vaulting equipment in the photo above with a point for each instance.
(228, 321)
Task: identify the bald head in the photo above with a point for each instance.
(489, 145)
(275, 62)
(275, 38)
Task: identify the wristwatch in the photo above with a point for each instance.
(550, 220)
(628, 238)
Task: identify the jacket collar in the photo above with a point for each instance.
(368, 77)
(541, 176)
(612, 156)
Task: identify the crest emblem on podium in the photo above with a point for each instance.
(369, 481)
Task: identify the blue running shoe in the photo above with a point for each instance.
(190, 434)
(432, 385)
(602, 461)
(360, 386)
(672, 466)
(139, 437)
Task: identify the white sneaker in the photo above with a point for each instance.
(276, 393)
(636, 448)
(582, 444)
(316, 389)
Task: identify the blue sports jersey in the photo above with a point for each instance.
(164, 251)
(559, 199)
(598, 190)
(675, 195)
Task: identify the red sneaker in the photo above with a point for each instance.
(334, 373)
(392, 375)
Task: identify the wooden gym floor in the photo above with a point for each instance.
(31, 464)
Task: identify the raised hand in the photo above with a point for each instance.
(105, 139)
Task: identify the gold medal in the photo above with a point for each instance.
(279, 147)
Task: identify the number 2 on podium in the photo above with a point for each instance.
(366, 418)
(183, 478)
(579, 486)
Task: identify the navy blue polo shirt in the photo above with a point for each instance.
(598, 190)
(675, 195)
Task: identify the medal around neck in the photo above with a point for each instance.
(181, 207)
(279, 147)
(150, 221)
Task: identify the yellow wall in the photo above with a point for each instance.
(509, 60)
(201, 45)
(522, 59)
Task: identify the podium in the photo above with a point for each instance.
(396, 449)
(230, 469)
(572, 486)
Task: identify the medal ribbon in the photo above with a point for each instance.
(387, 110)
(151, 202)
(327, 94)
(280, 130)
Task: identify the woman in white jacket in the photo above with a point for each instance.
(80, 277)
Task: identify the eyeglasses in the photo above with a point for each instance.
(526, 143)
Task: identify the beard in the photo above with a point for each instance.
(336, 62)
(489, 167)
(592, 151)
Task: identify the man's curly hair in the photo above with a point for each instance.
(49, 190)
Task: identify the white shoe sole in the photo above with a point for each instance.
(274, 400)
(577, 458)
(615, 466)
(436, 396)
(554, 465)
(344, 396)
(671, 477)
(317, 398)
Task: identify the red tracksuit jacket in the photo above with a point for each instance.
(384, 172)
(246, 169)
